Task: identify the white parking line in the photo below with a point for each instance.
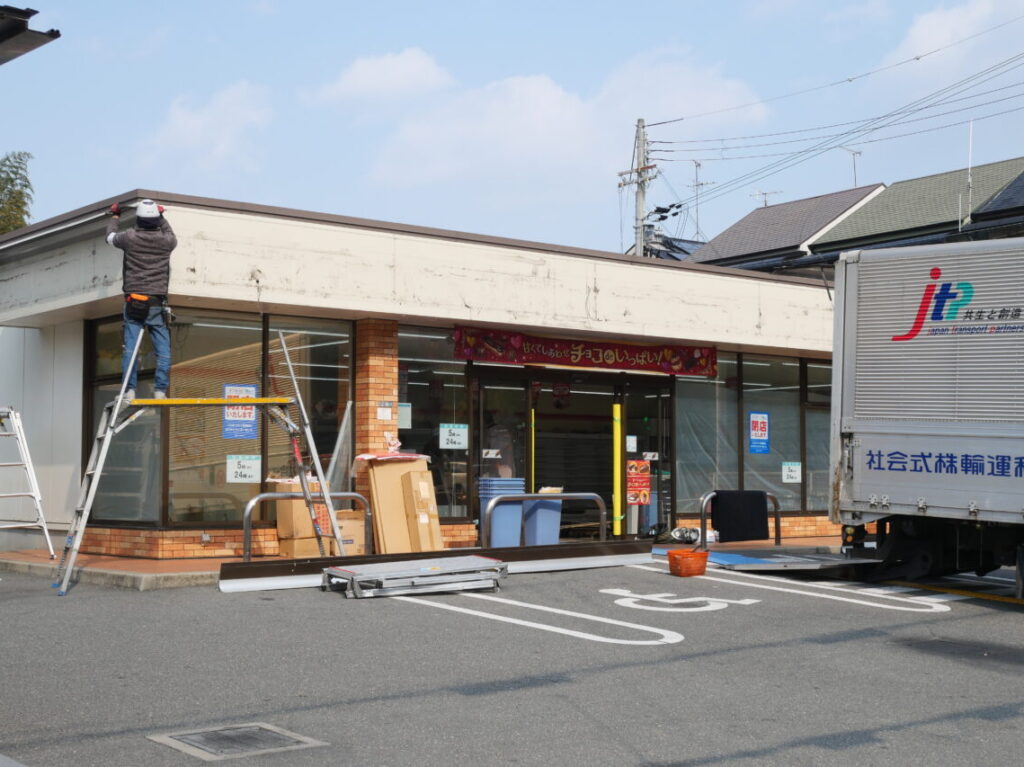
(942, 597)
(886, 590)
(666, 637)
(906, 604)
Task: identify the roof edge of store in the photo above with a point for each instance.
(89, 212)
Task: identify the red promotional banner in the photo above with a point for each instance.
(638, 482)
(520, 349)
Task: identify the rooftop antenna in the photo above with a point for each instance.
(854, 153)
(764, 196)
(970, 165)
(695, 186)
(970, 182)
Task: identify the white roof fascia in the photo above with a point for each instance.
(805, 246)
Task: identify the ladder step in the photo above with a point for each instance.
(8, 434)
(17, 495)
(9, 465)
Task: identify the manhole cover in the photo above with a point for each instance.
(235, 741)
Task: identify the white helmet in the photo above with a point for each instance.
(147, 209)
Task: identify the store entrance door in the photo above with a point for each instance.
(583, 433)
(648, 455)
(573, 447)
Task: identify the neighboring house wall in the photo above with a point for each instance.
(41, 377)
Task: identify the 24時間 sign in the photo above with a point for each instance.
(521, 349)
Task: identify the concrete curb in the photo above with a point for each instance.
(115, 578)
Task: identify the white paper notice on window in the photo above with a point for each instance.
(243, 469)
(453, 436)
(404, 415)
(791, 471)
(630, 443)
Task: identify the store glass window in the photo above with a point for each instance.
(819, 383)
(321, 357)
(214, 465)
(433, 412)
(129, 489)
(707, 458)
(216, 460)
(771, 428)
(817, 422)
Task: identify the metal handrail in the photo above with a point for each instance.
(485, 522)
(258, 499)
(705, 501)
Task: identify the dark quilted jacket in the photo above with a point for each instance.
(147, 257)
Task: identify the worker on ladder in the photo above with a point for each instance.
(147, 267)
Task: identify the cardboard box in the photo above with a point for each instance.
(293, 516)
(387, 499)
(304, 548)
(421, 511)
(353, 532)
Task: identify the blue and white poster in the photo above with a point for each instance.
(760, 435)
(240, 420)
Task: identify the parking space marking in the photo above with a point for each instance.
(905, 604)
(665, 636)
(970, 594)
(679, 604)
(944, 597)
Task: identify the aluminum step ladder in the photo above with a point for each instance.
(10, 426)
(418, 576)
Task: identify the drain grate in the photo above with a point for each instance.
(235, 741)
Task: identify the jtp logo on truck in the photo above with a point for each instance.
(945, 302)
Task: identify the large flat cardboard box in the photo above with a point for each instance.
(421, 511)
(387, 498)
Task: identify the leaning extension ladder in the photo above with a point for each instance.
(10, 426)
(112, 423)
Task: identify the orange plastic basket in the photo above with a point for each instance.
(684, 562)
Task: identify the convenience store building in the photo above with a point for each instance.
(498, 358)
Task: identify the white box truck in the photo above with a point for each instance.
(928, 405)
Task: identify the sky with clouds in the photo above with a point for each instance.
(507, 119)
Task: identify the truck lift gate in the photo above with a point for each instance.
(768, 560)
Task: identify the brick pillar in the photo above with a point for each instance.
(376, 381)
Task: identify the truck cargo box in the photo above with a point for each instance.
(928, 383)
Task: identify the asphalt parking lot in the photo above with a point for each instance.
(625, 665)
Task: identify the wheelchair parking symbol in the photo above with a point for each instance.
(670, 603)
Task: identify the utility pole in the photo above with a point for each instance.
(641, 174)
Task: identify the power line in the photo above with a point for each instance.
(870, 126)
(859, 122)
(820, 127)
(873, 140)
(859, 143)
(844, 81)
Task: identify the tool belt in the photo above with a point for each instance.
(137, 306)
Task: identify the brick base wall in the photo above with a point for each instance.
(792, 527)
(175, 544)
(186, 544)
(459, 536)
